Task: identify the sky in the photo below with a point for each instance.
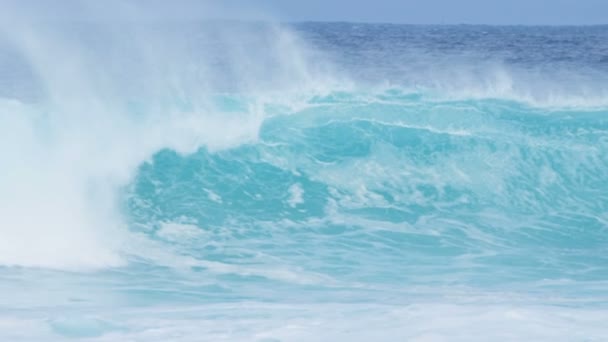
(497, 12)
(527, 12)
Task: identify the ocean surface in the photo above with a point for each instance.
(248, 181)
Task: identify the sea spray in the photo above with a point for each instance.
(110, 92)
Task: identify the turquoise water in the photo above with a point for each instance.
(482, 193)
(313, 182)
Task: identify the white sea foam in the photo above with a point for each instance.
(296, 192)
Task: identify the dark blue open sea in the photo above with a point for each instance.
(246, 181)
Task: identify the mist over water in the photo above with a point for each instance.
(205, 179)
(88, 101)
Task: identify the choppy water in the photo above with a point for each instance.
(310, 182)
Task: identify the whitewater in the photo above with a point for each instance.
(235, 180)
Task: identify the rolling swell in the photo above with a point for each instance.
(365, 190)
